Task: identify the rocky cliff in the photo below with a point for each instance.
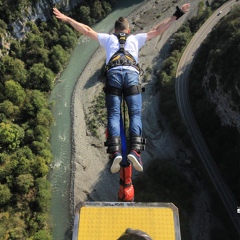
(41, 10)
(226, 109)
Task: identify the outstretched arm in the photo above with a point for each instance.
(165, 24)
(80, 27)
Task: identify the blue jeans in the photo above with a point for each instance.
(123, 78)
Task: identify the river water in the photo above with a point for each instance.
(60, 99)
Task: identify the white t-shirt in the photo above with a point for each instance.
(111, 44)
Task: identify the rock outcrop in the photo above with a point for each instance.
(41, 10)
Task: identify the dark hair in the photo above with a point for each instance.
(121, 24)
(131, 234)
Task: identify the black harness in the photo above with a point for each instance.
(122, 57)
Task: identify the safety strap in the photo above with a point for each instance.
(133, 90)
(122, 37)
(138, 143)
(113, 144)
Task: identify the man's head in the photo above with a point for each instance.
(131, 234)
(122, 25)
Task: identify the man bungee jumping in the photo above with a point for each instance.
(122, 72)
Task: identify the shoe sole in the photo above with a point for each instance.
(135, 162)
(116, 165)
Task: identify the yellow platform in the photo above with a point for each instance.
(109, 220)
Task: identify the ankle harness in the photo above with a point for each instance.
(113, 144)
(122, 57)
(137, 143)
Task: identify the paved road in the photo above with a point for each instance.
(182, 96)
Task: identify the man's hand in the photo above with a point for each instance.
(181, 10)
(60, 15)
(80, 27)
(185, 7)
(165, 24)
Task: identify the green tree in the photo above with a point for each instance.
(11, 135)
(68, 41)
(38, 221)
(97, 10)
(24, 182)
(4, 218)
(9, 109)
(40, 78)
(16, 49)
(42, 235)
(58, 57)
(66, 30)
(170, 66)
(3, 27)
(34, 41)
(15, 227)
(14, 92)
(42, 135)
(5, 166)
(29, 136)
(47, 155)
(84, 15)
(33, 27)
(56, 66)
(5, 194)
(107, 7)
(21, 161)
(164, 78)
(2, 97)
(37, 55)
(59, 54)
(40, 168)
(43, 195)
(14, 69)
(49, 38)
(35, 101)
(44, 118)
(180, 40)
